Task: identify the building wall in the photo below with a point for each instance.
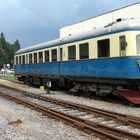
(131, 11)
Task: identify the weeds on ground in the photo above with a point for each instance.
(9, 77)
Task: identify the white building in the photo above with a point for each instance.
(131, 11)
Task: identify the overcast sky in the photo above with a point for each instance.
(35, 21)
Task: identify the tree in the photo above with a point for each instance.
(7, 50)
(17, 45)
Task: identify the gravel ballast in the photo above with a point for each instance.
(34, 126)
(135, 111)
(68, 132)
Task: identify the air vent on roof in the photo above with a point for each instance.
(119, 19)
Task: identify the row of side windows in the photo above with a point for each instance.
(36, 57)
(103, 50)
(103, 47)
(83, 51)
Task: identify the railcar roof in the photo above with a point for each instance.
(38, 46)
(117, 26)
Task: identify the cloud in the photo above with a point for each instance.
(36, 21)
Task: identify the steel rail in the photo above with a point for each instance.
(123, 118)
(99, 130)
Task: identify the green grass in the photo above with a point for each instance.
(9, 77)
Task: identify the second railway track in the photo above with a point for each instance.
(80, 116)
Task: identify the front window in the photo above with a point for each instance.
(123, 45)
(138, 44)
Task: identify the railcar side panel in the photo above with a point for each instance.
(35, 69)
(124, 67)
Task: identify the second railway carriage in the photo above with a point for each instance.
(100, 60)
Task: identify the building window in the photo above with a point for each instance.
(103, 48)
(23, 59)
(19, 59)
(123, 44)
(54, 55)
(16, 59)
(35, 57)
(84, 50)
(40, 57)
(72, 52)
(30, 58)
(47, 56)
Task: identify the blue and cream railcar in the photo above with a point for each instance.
(99, 60)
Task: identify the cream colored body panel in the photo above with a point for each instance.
(93, 48)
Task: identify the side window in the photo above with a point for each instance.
(54, 55)
(84, 51)
(19, 59)
(72, 52)
(26, 58)
(47, 56)
(16, 59)
(23, 59)
(40, 57)
(138, 44)
(123, 45)
(35, 57)
(61, 54)
(103, 48)
(30, 58)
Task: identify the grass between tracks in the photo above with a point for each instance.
(9, 77)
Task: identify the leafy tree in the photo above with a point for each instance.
(7, 50)
(17, 44)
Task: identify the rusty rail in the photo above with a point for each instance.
(102, 131)
(123, 118)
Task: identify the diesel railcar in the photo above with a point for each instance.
(100, 60)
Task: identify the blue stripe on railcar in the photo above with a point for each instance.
(113, 67)
(125, 67)
(41, 68)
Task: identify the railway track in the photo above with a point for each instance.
(126, 119)
(80, 116)
(112, 99)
